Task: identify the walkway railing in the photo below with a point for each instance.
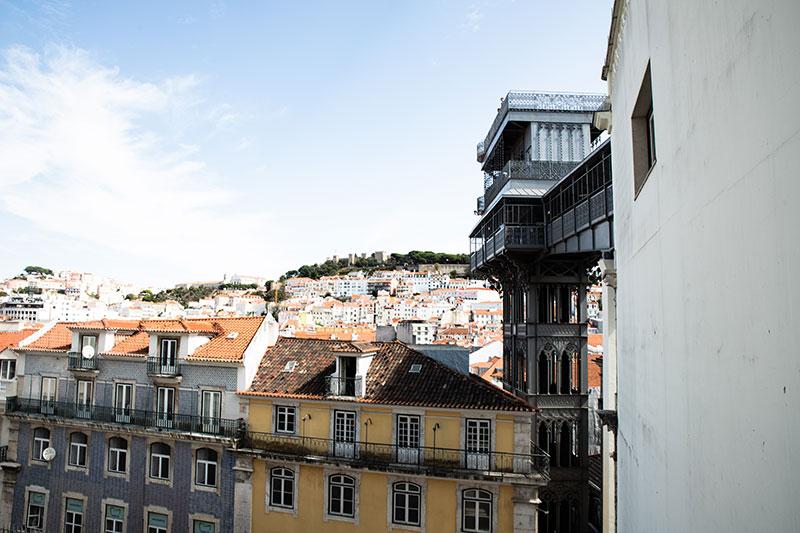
(76, 361)
(221, 427)
(341, 386)
(392, 455)
(156, 366)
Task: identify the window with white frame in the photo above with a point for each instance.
(35, 513)
(8, 369)
(169, 352)
(115, 519)
(159, 460)
(78, 446)
(408, 431)
(285, 419)
(206, 468)
(341, 495)
(88, 340)
(281, 493)
(344, 429)
(478, 434)
(406, 499)
(157, 523)
(117, 455)
(41, 441)
(73, 516)
(476, 511)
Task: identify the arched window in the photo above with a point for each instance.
(406, 503)
(476, 510)
(78, 446)
(565, 444)
(548, 376)
(41, 441)
(159, 460)
(206, 468)
(117, 454)
(341, 495)
(565, 372)
(281, 492)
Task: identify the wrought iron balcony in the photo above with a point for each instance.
(76, 361)
(507, 238)
(481, 150)
(156, 366)
(526, 170)
(430, 459)
(341, 386)
(220, 427)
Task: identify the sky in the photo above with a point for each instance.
(165, 142)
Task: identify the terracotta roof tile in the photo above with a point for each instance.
(179, 326)
(388, 378)
(56, 339)
(227, 347)
(107, 323)
(9, 339)
(135, 345)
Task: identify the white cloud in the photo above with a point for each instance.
(474, 16)
(79, 156)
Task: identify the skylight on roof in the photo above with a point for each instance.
(415, 368)
(290, 366)
(233, 334)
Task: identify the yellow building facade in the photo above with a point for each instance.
(346, 436)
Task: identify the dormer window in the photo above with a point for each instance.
(88, 340)
(168, 352)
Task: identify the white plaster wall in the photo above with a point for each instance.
(709, 377)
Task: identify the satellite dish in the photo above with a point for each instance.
(49, 453)
(88, 351)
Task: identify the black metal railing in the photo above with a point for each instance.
(3, 454)
(392, 455)
(526, 170)
(341, 386)
(528, 237)
(157, 366)
(76, 361)
(222, 427)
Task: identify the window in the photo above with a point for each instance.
(123, 402)
(159, 460)
(73, 517)
(169, 352)
(157, 523)
(281, 488)
(78, 445)
(8, 369)
(408, 438)
(477, 440)
(117, 455)
(115, 519)
(48, 403)
(476, 510)
(211, 410)
(201, 526)
(643, 134)
(406, 504)
(88, 340)
(206, 468)
(344, 433)
(35, 516)
(165, 406)
(83, 399)
(41, 440)
(341, 496)
(285, 419)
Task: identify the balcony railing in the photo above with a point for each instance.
(156, 366)
(76, 361)
(221, 427)
(508, 238)
(341, 386)
(526, 170)
(394, 456)
(3, 454)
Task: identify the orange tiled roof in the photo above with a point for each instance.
(223, 347)
(134, 345)
(56, 339)
(179, 326)
(9, 339)
(388, 379)
(107, 323)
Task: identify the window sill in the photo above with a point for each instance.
(644, 180)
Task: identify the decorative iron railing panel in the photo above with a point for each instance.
(538, 101)
(222, 427)
(342, 386)
(156, 366)
(391, 455)
(76, 361)
(609, 200)
(597, 209)
(526, 170)
(524, 236)
(582, 215)
(569, 223)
